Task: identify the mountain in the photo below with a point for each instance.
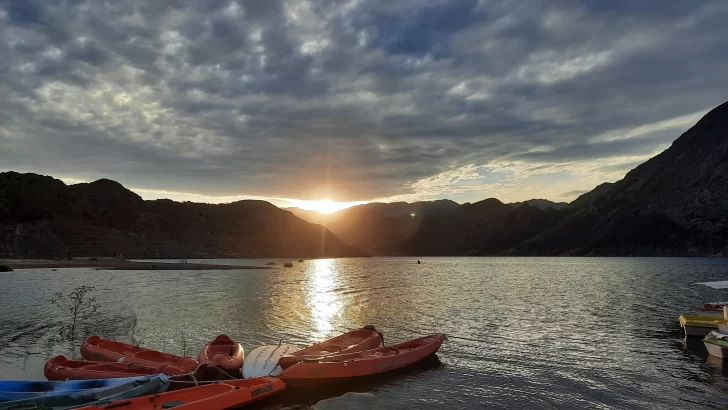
(383, 228)
(315, 217)
(543, 204)
(591, 196)
(674, 204)
(42, 217)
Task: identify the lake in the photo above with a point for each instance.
(522, 332)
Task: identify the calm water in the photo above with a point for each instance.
(523, 332)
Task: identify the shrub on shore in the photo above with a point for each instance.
(6, 268)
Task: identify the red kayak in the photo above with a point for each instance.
(224, 353)
(223, 395)
(366, 363)
(96, 348)
(354, 341)
(60, 368)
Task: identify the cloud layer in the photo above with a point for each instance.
(354, 100)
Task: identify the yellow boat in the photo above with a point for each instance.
(694, 325)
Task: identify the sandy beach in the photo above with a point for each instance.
(116, 264)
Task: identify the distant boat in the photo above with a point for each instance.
(418, 262)
(300, 260)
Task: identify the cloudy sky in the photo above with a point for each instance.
(354, 100)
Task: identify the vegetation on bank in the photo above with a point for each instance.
(6, 268)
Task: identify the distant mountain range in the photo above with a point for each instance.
(674, 204)
(41, 217)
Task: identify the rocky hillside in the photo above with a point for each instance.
(42, 217)
(674, 204)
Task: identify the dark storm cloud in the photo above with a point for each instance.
(358, 99)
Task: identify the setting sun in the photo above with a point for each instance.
(324, 206)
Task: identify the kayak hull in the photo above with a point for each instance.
(61, 368)
(20, 390)
(95, 348)
(74, 399)
(224, 353)
(223, 395)
(350, 342)
(370, 362)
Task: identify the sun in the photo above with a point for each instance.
(324, 206)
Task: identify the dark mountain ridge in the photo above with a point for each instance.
(674, 204)
(42, 217)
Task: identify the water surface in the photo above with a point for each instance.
(522, 332)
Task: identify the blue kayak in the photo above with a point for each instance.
(70, 399)
(11, 390)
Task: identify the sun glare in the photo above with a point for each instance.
(325, 206)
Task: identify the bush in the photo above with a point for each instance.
(6, 268)
(78, 306)
(288, 265)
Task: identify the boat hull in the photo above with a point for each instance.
(21, 390)
(698, 326)
(716, 350)
(98, 349)
(224, 353)
(350, 342)
(223, 395)
(60, 368)
(76, 399)
(355, 365)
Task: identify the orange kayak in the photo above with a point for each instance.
(96, 348)
(60, 368)
(366, 363)
(354, 341)
(224, 353)
(223, 395)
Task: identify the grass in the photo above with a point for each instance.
(6, 268)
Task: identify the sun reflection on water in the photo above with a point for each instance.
(323, 300)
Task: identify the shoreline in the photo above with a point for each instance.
(116, 264)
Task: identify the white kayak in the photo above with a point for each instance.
(263, 361)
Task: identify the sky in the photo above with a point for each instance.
(354, 101)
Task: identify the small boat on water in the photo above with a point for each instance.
(76, 398)
(355, 341)
(698, 325)
(98, 349)
(61, 368)
(223, 395)
(223, 352)
(23, 389)
(717, 344)
(366, 363)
